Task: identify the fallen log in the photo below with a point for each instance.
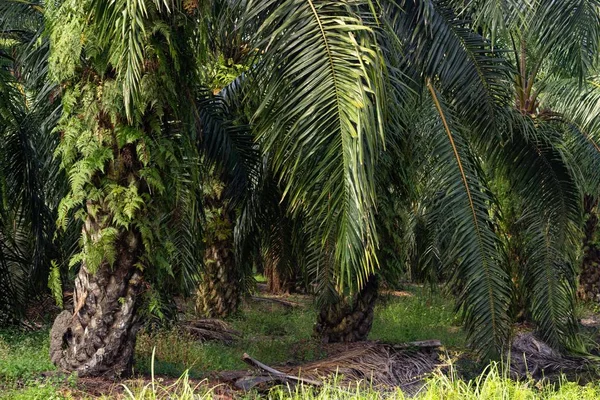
(421, 344)
(211, 329)
(278, 374)
(285, 303)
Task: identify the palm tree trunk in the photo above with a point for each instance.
(219, 294)
(589, 279)
(279, 280)
(349, 321)
(98, 338)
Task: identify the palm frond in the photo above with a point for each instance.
(577, 109)
(550, 281)
(541, 176)
(496, 17)
(468, 235)
(31, 181)
(126, 28)
(465, 67)
(320, 119)
(226, 139)
(569, 33)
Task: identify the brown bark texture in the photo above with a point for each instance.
(349, 321)
(220, 291)
(280, 280)
(98, 337)
(589, 278)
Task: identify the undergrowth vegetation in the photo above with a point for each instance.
(23, 358)
(492, 384)
(23, 355)
(274, 335)
(417, 314)
(271, 334)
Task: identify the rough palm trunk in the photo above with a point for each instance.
(589, 279)
(98, 338)
(279, 280)
(219, 294)
(349, 321)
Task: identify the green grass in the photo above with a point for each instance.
(34, 390)
(269, 333)
(275, 335)
(418, 315)
(23, 355)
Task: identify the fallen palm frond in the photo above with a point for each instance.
(532, 358)
(211, 329)
(274, 376)
(376, 365)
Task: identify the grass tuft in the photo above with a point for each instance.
(493, 384)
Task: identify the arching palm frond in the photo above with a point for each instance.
(580, 103)
(320, 119)
(541, 176)
(577, 110)
(464, 66)
(31, 181)
(549, 277)
(568, 33)
(495, 17)
(124, 28)
(467, 233)
(226, 139)
(466, 80)
(583, 155)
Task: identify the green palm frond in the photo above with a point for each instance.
(577, 103)
(186, 233)
(125, 30)
(550, 280)
(31, 181)
(577, 109)
(21, 17)
(229, 31)
(320, 119)
(541, 176)
(122, 26)
(226, 139)
(468, 235)
(580, 103)
(568, 32)
(496, 16)
(583, 154)
(440, 45)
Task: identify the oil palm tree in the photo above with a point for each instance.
(124, 138)
(224, 276)
(447, 61)
(531, 140)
